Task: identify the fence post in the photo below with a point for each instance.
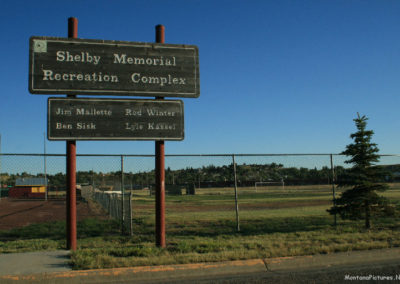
(109, 198)
(333, 188)
(45, 167)
(122, 194)
(236, 195)
(130, 214)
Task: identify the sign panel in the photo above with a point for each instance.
(99, 67)
(114, 119)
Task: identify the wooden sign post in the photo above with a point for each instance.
(71, 166)
(160, 170)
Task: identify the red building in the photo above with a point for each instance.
(28, 188)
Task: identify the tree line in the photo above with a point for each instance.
(206, 176)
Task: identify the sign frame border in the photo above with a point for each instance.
(142, 93)
(118, 138)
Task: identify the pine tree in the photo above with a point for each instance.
(361, 201)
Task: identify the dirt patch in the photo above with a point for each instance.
(16, 213)
(280, 205)
(244, 206)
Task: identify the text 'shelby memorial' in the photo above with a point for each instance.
(98, 67)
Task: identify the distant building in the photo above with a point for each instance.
(4, 190)
(29, 188)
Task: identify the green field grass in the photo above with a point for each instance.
(273, 222)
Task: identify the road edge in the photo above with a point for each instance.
(170, 272)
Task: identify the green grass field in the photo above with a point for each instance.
(273, 222)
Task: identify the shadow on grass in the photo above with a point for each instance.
(144, 229)
(250, 227)
(57, 230)
(284, 225)
(21, 211)
(263, 226)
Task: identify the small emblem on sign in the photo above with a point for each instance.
(40, 46)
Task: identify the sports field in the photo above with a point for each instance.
(274, 221)
(266, 206)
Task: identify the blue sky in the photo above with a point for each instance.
(276, 76)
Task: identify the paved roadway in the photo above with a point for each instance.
(374, 266)
(34, 262)
(372, 273)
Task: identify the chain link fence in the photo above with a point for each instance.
(118, 205)
(237, 189)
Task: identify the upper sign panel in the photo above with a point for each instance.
(99, 67)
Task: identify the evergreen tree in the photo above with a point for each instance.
(364, 178)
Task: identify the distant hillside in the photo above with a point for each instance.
(207, 176)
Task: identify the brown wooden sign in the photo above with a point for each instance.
(99, 67)
(114, 119)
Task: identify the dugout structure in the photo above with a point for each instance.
(29, 188)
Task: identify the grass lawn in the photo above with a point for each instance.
(202, 228)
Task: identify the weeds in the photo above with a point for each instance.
(202, 228)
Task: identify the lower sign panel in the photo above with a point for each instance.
(114, 119)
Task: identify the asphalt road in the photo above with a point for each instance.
(371, 273)
(383, 272)
(374, 266)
